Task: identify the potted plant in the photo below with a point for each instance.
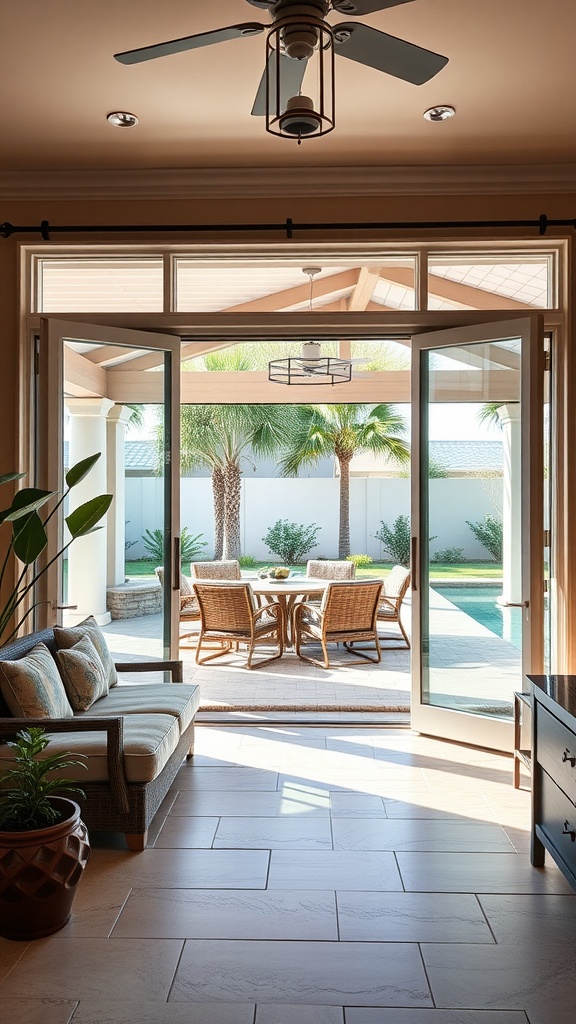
(44, 844)
(29, 538)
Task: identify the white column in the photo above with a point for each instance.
(116, 468)
(511, 503)
(87, 555)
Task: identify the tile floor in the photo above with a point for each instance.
(314, 876)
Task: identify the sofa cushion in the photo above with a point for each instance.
(180, 700)
(149, 741)
(83, 674)
(32, 686)
(68, 636)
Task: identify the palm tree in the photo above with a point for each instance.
(488, 414)
(343, 431)
(220, 436)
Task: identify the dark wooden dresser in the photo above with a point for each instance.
(554, 771)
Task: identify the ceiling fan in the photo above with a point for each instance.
(298, 33)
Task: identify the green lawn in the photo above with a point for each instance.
(143, 567)
(462, 570)
(472, 570)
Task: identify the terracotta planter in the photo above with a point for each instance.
(39, 872)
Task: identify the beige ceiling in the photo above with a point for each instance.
(511, 76)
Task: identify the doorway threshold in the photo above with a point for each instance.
(301, 717)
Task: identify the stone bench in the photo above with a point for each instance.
(131, 600)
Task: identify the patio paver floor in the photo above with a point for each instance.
(472, 666)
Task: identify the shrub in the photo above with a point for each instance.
(395, 539)
(190, 547)
(359, 560)
(290, 541)
(449, 556)
(247, 562)
(489, 533)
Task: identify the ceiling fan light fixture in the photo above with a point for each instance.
(122, 119)
(310, 367)
(300, 39)
(303, 370)
(440, 113)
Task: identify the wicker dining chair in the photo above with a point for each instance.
(189, 607)
(230, 616)
(347, 615)
(224, 569)
(393, 593)
(325, 570)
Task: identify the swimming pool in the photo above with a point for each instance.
(480, 604)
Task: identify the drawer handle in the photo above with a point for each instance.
(569, 832)
(567, 756)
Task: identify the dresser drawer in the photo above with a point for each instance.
(556, 745)
(557, 816)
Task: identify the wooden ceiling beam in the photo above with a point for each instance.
(82, 379)
(464, 294)
(495, 355)
(110, 355)
(368, 278)
(206, 388)
(298, 295)
(189, 350)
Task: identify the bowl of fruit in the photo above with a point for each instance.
(279, 573)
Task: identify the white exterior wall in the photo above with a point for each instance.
(453, 500)
(144, 510)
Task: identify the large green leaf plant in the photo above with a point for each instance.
(29, 537)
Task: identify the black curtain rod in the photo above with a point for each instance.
(288, 227)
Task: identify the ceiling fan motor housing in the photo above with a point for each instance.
(300, 26)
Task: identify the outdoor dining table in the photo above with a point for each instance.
(287, 592)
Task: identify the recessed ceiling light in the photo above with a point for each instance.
(121, 119)
(439, 113)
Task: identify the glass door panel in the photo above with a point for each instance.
(477, 629)
(100, 387)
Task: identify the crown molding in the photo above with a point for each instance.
(266, 182)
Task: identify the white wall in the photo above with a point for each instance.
(372, 499)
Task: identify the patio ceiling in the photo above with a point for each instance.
(124, 375)
(265, 286)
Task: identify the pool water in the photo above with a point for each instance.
(480, 604)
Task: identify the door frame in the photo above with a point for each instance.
(495, 734)
(49, 421)
(209, 327)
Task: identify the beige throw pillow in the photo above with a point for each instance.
(32, 687)
(67, 637)
(83, 673)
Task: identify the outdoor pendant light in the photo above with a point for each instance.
(310, 367)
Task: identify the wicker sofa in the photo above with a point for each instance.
(134, 739)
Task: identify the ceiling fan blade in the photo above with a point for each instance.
(387, 53)
(292, 74)
(360, 7)
(219, 35)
